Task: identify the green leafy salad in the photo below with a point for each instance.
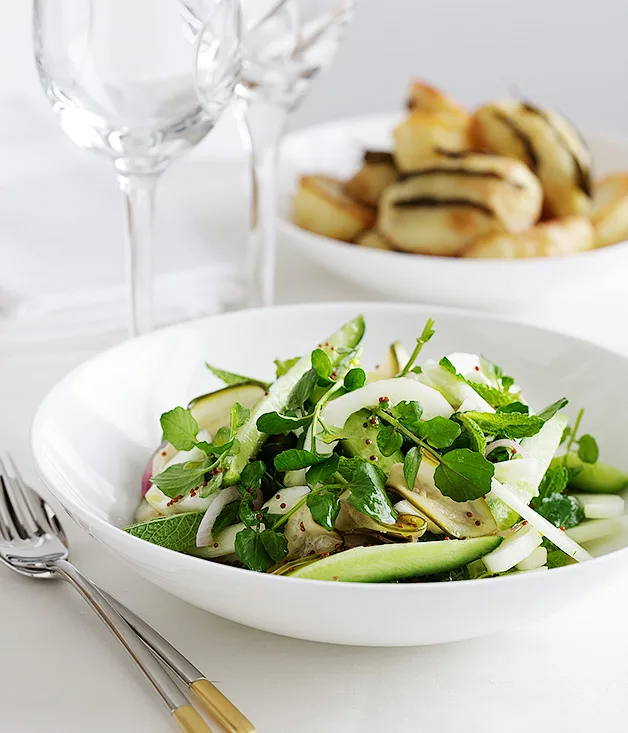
(418, 470)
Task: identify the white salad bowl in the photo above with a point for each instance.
(336, 149)
(96, 429)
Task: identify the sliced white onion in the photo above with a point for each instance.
(515, 548)
(601, 506)
(204, 535)
(547, 529)
(505, 443)
(534, 560)
(597, 529)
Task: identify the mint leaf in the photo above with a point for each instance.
(428, 332)
(272, 423)
(515, 407)
(388, 440)
(251, 550)
(283, 367)
(475, 436)
(302, 390)
(228, 516)
(354, 379)
(322, 472)
(179, 428)
(439, 431)
(553, 482)
(411, 465)
(556, 558)
(180, 479)
(562, 510)
(321, 364)
(495, 397)
(512, 425)
(464, 475)
(294, 459)
(324, 507)
(448, 366)
(368, 495)
(275, 544)
(176, 532)
(588, 451)
(231, 379)
(547, 413)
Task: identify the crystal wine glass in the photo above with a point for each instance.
(122, 76)
(287, 43)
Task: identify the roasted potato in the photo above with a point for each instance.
(610, 209)
(441, 207)
(550, 146)
(373, 239)
(421, 136)
(322, 206)
(547, 239)
(425, 98)
(378, 171)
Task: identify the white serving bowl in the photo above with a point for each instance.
(95, 430)
(336, 149)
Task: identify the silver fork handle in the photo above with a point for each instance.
(186, 717)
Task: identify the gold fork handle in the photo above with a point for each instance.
(221, 708)
(189, 720)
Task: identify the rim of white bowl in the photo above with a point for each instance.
(254, 577)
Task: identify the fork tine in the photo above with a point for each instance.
(24, 524)
(33, 503)
(8, 529)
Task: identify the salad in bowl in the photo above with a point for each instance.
(415, 471)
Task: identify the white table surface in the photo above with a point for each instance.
(61, 672)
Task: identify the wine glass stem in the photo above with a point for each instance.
(265, 123)
(138, 193)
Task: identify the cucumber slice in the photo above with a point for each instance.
(396, 359)
(601, 506)
(597, 528)
(515, 548)
(535, 559)
(248, 436)
(363, 441)
(384, 563)
(212, 411)
(596, 478)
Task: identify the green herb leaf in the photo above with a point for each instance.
(440, 432)
(464, 475)
(368, 495)
(411, 465)
(547, 413)
(428, 332)
(588, 451)
(515, 407)
(275, 544)
(475, 436)
(495, 397)
(181, 478)
(562, 510)
(512, 425)
(211, 449)
(556, 558)
(324, 507)
(248, 516)
(294, 459)
(272, 423)
(388, 440)
(553, 482)
(321, 364)
(252, 474)
(302, 390)
(228, 516)
(354, 379)
(239, 416)
(566, 434)
(407, 412)
(179, 428)
(231, 379)
(348, 466)
(322, 472)
(448, 366)
(251, 550)
(283, 367)
(498, 455)
(176, 532)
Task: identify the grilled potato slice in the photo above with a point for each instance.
(443, 206)
(378, 171)
(547, 239)
(550, 146)
(322, 206)
(425, 98)
(373, 239)
(610, 209)
(421, 136)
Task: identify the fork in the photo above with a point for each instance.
(32, 542)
